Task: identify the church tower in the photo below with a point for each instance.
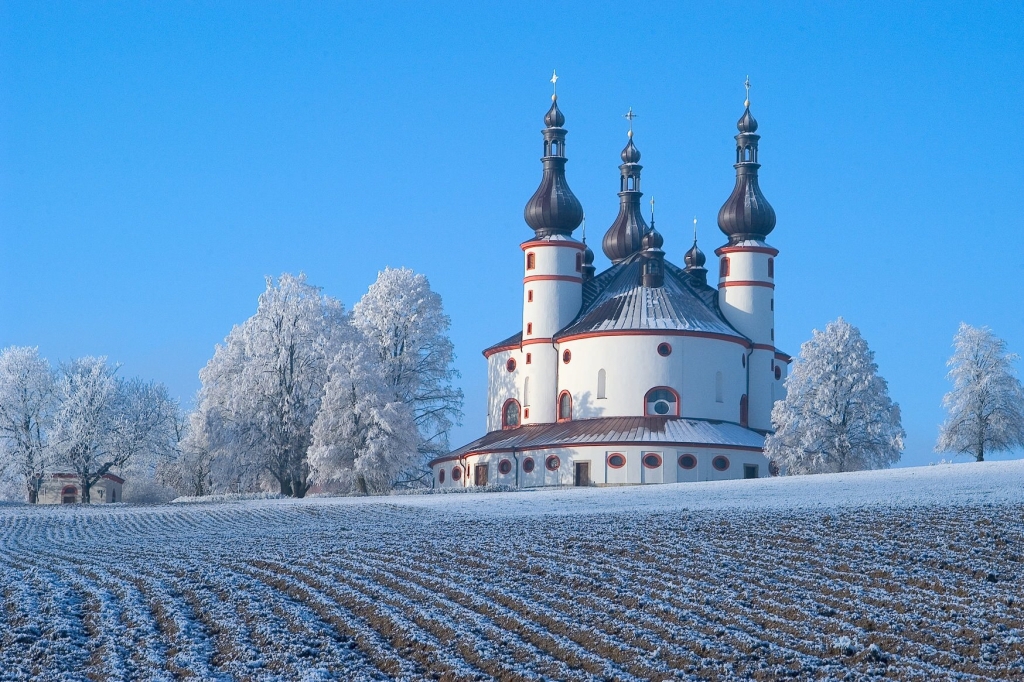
(746, 275)
(624, 237)
(553, 266)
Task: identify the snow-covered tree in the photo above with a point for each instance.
(190, 472)
(986, 405)
(363, 437)
(26, 409)
(404, 322)
(145, 435)
(263, 387)
(837, 415)
(87, 398)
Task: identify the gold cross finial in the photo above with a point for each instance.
(746, 100)
(584, 227)
(554, 84)
(694, 229)
(629, 115)
(652, 211)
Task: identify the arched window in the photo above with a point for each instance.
(778, 372)
(531, 261)
(743, 410)
(529, 358)
(564, 406)
(771, 267)
(529, 295)
(510, 414)
(440, 476)
(723, 267)
(579, 262)
(526, 391)
(529, 327)
(602, 378)
(718, 387)
(661, 402)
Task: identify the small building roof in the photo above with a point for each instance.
(614, 431)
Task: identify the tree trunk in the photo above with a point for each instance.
(85, 490)
(361, 484)
(286, 486)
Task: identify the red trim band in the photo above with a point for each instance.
(746, 283)
(761, 346)
(656, 332)
(500, 349)
(530, 342)
(771, 251)
(558, 278)
(782, 356)
(534, 243)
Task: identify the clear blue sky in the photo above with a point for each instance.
(158, 159)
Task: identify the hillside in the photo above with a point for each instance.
(910, 573)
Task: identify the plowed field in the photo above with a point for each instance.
(695, 581)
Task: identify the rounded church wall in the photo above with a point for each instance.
(633, 366)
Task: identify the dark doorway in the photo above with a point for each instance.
(582, 473)
(480, 475)
(749, 471)
(69, 495)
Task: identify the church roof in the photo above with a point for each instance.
(614, 431)
(615, 300)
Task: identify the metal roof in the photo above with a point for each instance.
(616, 300)
(615, 430)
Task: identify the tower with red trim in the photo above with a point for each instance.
(552, 273)
(746, 275)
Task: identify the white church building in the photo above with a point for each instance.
(643, 373)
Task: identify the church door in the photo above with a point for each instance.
(481, 475)
(582, 473)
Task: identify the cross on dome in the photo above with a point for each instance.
(629, 115)
(554, 84)
(746, 99)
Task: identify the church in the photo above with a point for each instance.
(645, 372)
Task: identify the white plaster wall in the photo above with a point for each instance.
(633, 367)
(748, 308)
(634, 473)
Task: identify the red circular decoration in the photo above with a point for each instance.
(552, 462)
(511, 365)
(664, 350)
(456, 473)
(504, 466)
(528, 464)
(440, 476)
(721, 463)
(687, 461)
(566, 356)
(616, 460)
(652, 460)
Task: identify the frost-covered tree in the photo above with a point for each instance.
(986, 405)
(263, 387)
(26, 410)
(363, 437)
(145, 435)
(190, 471)
(404, 323)
(837, 415)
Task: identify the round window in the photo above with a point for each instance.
(616, 460)
(687, 461)
(664, 350)
(566, 356)
(440, 476)
(661, 403)
(528, 464)
(456, 473)
(652, 460)
(511, 365)
(552, 462)
(720, 463)
(504, 466)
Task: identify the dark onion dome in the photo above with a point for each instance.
(746, 214)
(694, 258)
(623, 238)
(553, 209)
(652, 240)
(588, 263)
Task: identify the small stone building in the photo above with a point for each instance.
(66, 489)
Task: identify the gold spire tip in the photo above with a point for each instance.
(746, 84)
(554, 85)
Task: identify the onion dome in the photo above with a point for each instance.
(694, 259)
(652, 269)
(622, 239)
(553, 209)
(746, 214)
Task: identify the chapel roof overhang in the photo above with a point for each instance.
(666, 431)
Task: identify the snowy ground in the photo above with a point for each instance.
(909, 573)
